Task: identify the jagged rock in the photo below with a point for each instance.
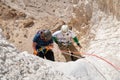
(23, 66)
(7, 36)
(20, 41)
(97, 22)
(57, 25)
(28, 23)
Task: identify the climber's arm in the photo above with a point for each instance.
(77, 42)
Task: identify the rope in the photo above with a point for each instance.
(97, 69)
(71, 54)
(114, 66)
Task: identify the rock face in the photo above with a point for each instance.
(96, 23)
(23, 66)
(81, 15)
(40, 9)
(15, 65)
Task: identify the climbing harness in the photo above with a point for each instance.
(43, 50)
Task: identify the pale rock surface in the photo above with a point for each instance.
(16, 65)
(23, 66)
(97, 24)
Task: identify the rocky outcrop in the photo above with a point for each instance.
(76, 13)
(96, 23)
(15, 65)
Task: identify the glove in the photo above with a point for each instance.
(35, 52)
(79, 45)
(49, 47)
(82, 56)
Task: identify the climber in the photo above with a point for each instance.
(43, 44)
(64, 39)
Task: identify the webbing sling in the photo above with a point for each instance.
(42, 50)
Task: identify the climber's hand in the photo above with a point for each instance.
(81, 56)
(49, 47)
(35, 52)
(79, 45)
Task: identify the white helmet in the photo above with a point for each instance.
(64, 28)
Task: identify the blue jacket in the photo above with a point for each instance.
(40, 42)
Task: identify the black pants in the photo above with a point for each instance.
(46, 53)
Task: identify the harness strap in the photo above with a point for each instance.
(46, 51)
(40, 50)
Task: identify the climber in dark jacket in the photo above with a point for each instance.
(43, 44)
